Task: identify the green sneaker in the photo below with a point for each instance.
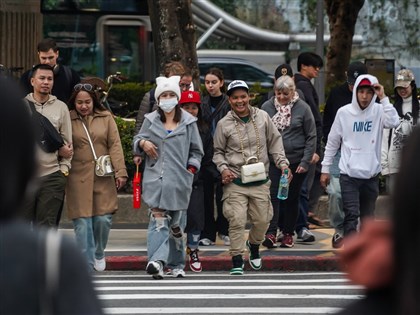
(238, 265)
(254, 256)
(237, 271)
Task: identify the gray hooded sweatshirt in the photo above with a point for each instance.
(167, 183)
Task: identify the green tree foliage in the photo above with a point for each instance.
(126, 131)
(388, 18)
(228, 6)
(307, 12)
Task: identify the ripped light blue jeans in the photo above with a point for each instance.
(165, 238)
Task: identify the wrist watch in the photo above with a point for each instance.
(65, 173)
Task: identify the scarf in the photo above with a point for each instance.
(284, 113)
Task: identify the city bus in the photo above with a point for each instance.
(101, 37)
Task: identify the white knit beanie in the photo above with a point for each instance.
(165, 84)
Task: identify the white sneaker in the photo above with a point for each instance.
(206, 242)
(155, 268)
(305, 235)
(176, 273)
(99, 264)
(225, 239)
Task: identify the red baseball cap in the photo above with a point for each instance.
(365, 82)
(190, 97)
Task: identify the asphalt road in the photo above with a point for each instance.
(220, 293)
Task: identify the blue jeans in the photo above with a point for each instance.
(165, 239)
(92, 236)
(305, 201)
(359, 197)
(193, 238)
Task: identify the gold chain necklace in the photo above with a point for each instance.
(242, 141)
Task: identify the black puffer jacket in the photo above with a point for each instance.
(311, 97)
(212, 118)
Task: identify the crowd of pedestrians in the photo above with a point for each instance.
(196, 151)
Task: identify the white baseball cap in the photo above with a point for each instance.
(236, 84)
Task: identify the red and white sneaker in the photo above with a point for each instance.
(194, 260)
(287, 241)
(270, 241)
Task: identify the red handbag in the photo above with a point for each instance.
(137, 189)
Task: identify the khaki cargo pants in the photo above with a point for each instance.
(251, 203)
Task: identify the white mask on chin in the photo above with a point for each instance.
(168, 104)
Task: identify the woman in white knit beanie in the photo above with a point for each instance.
(170, 144)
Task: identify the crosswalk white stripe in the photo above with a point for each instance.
(222, 310)
(256, 274)
(218, 248)
(247, 281)
(224, 287)
(227, 296)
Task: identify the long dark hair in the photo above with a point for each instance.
(203, 126)
(406, 216)
(414, 105)
(177, 116)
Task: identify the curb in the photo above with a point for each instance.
(126, 215)
(214, 263)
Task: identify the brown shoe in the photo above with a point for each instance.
(313, 219)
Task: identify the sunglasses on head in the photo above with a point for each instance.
(83, 86)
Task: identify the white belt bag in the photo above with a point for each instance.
(253, 172)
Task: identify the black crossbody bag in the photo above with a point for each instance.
(48, 137)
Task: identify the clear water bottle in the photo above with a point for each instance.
(283, 186)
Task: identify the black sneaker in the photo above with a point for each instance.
(155, 268)
(254, 255)
(238, 265)
(337, 240)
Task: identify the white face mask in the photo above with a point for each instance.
(168, 104)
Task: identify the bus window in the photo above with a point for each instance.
(123, 45)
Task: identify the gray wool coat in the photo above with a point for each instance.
(167, 184)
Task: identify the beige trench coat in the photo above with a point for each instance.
(87, 194)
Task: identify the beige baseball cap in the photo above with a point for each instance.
(404, 78)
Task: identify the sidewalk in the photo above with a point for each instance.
(126, 250)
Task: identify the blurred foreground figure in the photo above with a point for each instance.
(23, 254)
(385, 257)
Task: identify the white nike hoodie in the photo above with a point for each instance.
(359, 134)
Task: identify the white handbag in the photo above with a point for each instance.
(251, 172)
(103, 164)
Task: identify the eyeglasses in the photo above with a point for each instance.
(184, 86)
(85, 86)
